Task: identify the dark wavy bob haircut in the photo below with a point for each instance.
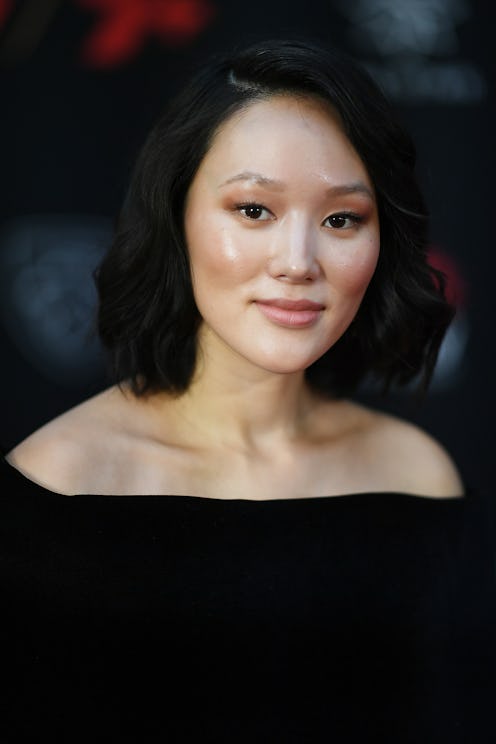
(147, 317)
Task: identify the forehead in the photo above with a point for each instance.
(285, 136)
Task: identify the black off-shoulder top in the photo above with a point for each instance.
(363, 617)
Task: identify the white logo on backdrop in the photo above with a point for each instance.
(412, 49)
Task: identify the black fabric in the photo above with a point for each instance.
(366, 617)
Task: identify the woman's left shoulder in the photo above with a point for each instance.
(411, 459)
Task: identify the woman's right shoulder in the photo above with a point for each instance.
(60, 454)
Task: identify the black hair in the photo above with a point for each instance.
(147, 317)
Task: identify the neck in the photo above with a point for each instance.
(231, 403)
(250, 412)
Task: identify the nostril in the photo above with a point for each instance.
(293, 264)
(296, 278)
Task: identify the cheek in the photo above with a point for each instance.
(219, 254)
(351, 270)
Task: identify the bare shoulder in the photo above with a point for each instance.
(408, 457)
(58, 455)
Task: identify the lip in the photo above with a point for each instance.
(292, 304)
(291, 313)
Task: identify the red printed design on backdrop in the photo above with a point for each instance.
(124, 25)
(5, 8)
(456, 286)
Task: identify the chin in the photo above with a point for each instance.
(293, 356)
(284, 366)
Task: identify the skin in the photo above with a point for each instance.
(300, 242)
(281, 207)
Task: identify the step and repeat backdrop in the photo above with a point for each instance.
(82, 81)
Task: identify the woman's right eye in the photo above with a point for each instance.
(254, 212)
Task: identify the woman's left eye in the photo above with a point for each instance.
(342, 220)
(254, 212)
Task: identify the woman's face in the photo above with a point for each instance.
(283, 234)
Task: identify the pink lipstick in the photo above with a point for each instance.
(291, 313)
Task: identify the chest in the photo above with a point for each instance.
(305, 472)
(348, 606)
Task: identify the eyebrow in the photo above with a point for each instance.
(269, 183)
(351, 188)
(357, 187)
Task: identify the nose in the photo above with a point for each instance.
(293, 254)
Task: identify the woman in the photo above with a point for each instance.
(270, 255)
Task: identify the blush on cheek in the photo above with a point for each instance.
(354, 273)
(232, 256)
(220, 255)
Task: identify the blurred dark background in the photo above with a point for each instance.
(82, 81)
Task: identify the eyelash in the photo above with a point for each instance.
(356, 219)
(252, 205)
